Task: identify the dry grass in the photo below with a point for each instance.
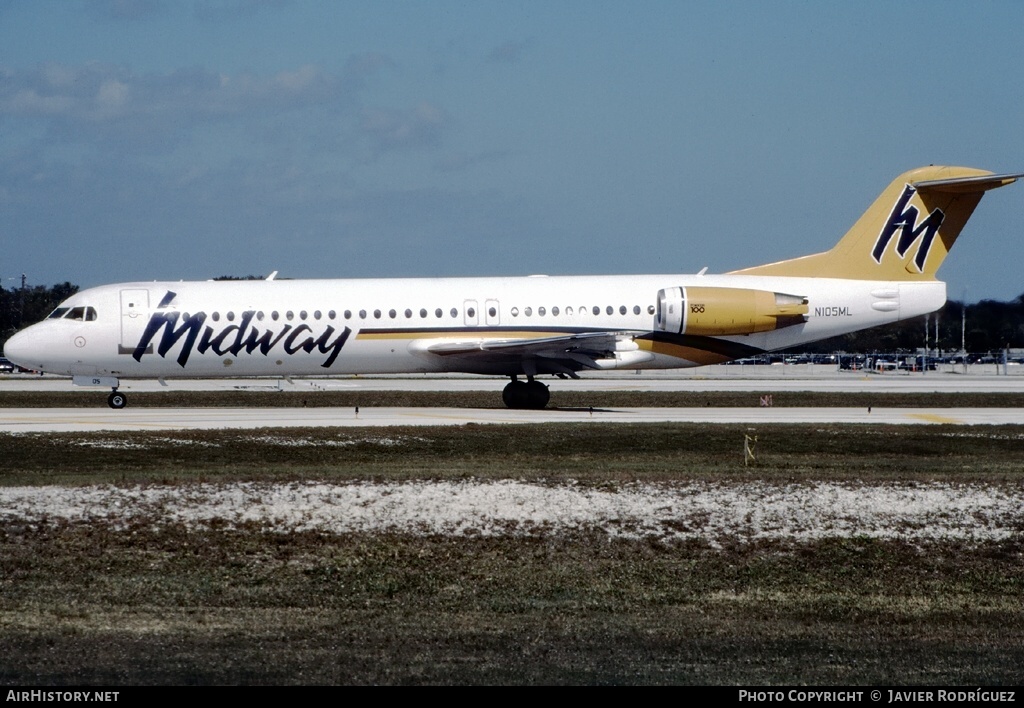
(87, 606)
(162, 603)
(582, 452)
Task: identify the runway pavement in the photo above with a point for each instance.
(756, 379)
(41, 420)
(765, 379)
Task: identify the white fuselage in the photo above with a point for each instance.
(324, 327)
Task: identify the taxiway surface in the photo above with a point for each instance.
(757, 380)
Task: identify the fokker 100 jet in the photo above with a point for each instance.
(883, 270)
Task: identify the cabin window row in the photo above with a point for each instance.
(527, 311)
(596, 310)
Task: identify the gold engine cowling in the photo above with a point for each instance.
(719, 311)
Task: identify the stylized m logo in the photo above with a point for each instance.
(904, 219)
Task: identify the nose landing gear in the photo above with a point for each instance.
(529, 394)
(116, 400)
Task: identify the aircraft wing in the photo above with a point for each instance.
(559, 354)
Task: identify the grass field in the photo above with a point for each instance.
(150, 598)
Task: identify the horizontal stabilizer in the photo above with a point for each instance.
(967, 184)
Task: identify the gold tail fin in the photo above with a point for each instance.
(905, 234)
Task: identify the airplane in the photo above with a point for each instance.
(882, 271)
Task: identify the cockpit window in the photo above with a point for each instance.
(82, 314)
(58, 313)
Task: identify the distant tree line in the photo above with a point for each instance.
(20, 307)
(991, 324)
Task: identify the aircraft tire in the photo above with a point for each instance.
(117, 401)
(514, 395)
(537, 395)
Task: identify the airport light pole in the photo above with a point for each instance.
(963, 331)
(924, 356)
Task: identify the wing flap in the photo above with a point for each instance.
(564, 353)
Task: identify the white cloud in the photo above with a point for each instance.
(508, 52)
(111, 97)
(121, 10)
(30, 102)
(98, 92)
(391, 129)
(297, 80)
(227, 10)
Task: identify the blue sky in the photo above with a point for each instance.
(160, 139)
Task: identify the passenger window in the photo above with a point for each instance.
(274, 316)
(317, 315)
(650, 309)
(610, 310)
(231, 316)
(348, 314)
(376, 314)
(492, 312)
(408, 313)
(289, 315)
(568, 311)
(554, 311)
(216, 317)
(302, 315)
(528, 311)
(392, 314)
(597, 310)
(331, 314)
(423, 312)
(259, 316)
(542, 311)
(471, 312)
(455, 312)
(515, 312)
(362, 314)
(636, 309)
(438, 313)
(622, 309)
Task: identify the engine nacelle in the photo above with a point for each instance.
(720, 311)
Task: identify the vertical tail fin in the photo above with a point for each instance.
(906, 233)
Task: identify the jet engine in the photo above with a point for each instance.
(720, 311)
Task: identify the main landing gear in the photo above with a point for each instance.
(116, 400)
(526, 394)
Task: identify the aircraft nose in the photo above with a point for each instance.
(26, 349)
